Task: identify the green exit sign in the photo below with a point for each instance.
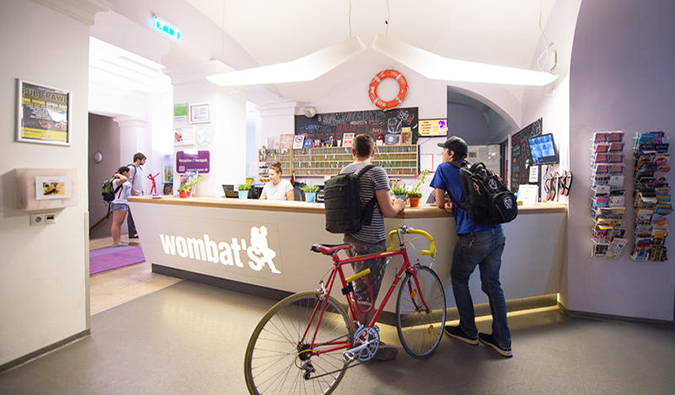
(166, 28)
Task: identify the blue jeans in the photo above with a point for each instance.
(483, 249)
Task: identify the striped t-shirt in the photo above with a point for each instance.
(373, 180)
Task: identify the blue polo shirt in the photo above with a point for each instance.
(447, 178)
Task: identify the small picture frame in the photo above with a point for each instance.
(43, 114)
(56, 187)
(200, 113)
(183, 136)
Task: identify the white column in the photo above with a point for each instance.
(134, 137)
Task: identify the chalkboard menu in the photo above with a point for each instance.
(390, 125)
(520, 154)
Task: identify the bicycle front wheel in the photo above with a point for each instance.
(275, 362)
(420, 312)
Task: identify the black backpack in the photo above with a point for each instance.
(107, 190)
(487, 199)
(343, 203)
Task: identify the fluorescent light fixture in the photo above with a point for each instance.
(307, 68)
(437, 67)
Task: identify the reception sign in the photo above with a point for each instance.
(199, 161)
(43, 114)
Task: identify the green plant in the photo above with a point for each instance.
(244, 187)
(399, 190)
(185, 187)
(309, 188)
(420, 180)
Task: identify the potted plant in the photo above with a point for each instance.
(399, 192)
(188, 186)
(310, 192)
(414, 193)
(243, 191)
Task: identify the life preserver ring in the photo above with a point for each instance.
(402, 89)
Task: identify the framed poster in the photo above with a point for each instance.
(180, 111)
(433, 127)
(183, 136)
(200, 113)
(56, 187)
(43, 114)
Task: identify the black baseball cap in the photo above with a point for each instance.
(457, 145)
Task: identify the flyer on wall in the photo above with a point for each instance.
(43, 114)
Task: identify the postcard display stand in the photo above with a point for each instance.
(608, 202)
(652, 198)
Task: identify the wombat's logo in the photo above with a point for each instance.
(259, 253)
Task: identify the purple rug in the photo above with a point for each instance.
(113, 257)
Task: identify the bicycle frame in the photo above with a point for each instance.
(336, 271)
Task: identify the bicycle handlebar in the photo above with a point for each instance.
(432, 245)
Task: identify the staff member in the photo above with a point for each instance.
(276, 188)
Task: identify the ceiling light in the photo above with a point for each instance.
(307, 68)
(437, 67)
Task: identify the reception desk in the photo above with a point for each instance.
(263, 245)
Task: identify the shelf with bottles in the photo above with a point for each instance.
(652, 197)
(607, 200)
(268, 156)
(326, 161)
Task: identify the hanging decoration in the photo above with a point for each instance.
(402, 89)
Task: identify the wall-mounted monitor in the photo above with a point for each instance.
(542, 150)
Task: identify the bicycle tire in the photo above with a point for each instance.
(420, 331)
(272, 364)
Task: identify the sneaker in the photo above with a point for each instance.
(490, 341)
(385, 352)
(458, 333)
(134, 236)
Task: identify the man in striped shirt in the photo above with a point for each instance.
(371, 238)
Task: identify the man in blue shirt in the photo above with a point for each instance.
(477, 245)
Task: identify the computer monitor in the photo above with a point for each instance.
(230, 192)
(542, 150)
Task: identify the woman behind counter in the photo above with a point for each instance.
(276, 188)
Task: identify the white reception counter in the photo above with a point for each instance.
(252, 244)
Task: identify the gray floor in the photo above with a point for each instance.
(190, 339)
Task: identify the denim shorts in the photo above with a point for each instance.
(119, 207)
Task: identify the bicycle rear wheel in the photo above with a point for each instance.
(274, 363)
(420, 330)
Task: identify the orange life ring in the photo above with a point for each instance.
(402, 89)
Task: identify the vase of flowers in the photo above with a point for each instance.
(187, 188)
(310, 192)
(243, 191)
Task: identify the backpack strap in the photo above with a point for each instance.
(370, 205)
(460, 165)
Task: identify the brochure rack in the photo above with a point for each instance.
(608, 202)
(652, 198)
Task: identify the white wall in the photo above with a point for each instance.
(621, 79)
(44, 269)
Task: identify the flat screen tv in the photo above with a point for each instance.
(542, 150)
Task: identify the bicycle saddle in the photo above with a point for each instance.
(329, 249)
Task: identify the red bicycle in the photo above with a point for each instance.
(305, 343)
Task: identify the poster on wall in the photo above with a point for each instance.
(43, 114)
(183, 136)
(200, 113)
(180, 112)
(433, 127)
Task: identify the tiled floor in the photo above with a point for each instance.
(114, 287)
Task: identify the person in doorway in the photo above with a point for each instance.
(136, 180)
(371, 238)
(276, 188)
(477, 245)
(119, 205)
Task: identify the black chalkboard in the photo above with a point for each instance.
(520, 154)
(375, 122)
